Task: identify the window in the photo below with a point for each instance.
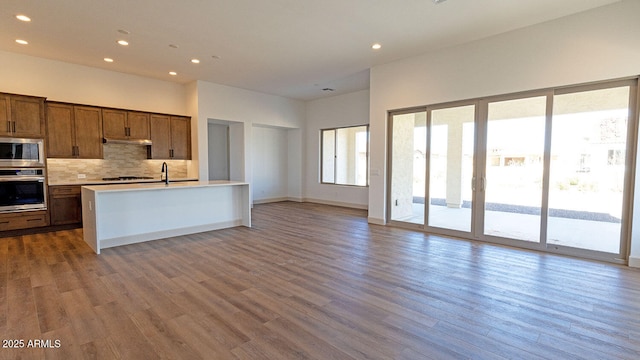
(345, 155)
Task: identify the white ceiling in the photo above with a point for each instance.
(292, 48)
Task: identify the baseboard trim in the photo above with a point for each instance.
(336, 203)
(273, 200)
(376, 221)
(634, 262)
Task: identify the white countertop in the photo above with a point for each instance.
(120, 187)
(86, 182)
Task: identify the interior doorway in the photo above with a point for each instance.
(218, 140)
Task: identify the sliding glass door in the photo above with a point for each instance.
(451, 153)
(589, 150)
(408, 160)
(547, 170)
(513, 171)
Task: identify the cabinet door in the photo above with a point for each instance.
(114, 123)
(65, 205)
(160, 136)
(60, 131)
(88, 131)
(27, 114)
(180, 138)
(138, 125)
(5, 115)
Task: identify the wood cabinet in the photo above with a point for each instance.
(74, 131)
(21, 116)
(171, 137)
(23, 220)
(125, 125)
(65, 204)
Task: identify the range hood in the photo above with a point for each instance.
(122, 141)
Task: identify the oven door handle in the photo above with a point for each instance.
(22, 178)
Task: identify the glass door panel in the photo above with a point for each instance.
(408, 167)
(514, 168)
(451, 167)
(588, 152)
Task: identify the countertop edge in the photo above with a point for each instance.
(113, 182)
(160, 186)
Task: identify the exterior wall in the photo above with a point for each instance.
(336, 111)
(595, 45)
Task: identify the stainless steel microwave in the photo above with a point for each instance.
(21, 152)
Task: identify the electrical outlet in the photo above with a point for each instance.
(82, 176)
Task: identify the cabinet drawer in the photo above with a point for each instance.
(23, 220)
(64, 190)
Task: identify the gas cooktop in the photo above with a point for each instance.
(123, 178)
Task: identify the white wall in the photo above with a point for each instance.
(600, 44)
(243, 109)
(336, 111)
(59, 81)
(270, 148)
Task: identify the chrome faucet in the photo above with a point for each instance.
(165, 171)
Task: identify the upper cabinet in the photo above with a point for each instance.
(138, 125)
(171, 137)
(180, 137)
(125, 125)
(21, 116)
(77, 131)
(74, 131)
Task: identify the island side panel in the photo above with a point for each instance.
(134, 216)
(89, 223)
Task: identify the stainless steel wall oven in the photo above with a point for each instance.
(22, 189)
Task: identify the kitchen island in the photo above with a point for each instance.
(122, 214)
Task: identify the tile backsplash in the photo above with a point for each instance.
(119, 160)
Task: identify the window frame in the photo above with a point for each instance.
(335, 155)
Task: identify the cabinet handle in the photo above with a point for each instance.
(14, 126)
(171, 153)
(8, 126)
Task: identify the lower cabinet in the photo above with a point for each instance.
(65, 204)
(23, 220)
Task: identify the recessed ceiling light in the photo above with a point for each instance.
(23, 18)
(195, 61)
(109, 60)
(376, 46)
(125, 32)
(216, 57)
(174, 46)
(22, 42)
(173, 73)
(123, 42)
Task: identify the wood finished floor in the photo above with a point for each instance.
(312, 281)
